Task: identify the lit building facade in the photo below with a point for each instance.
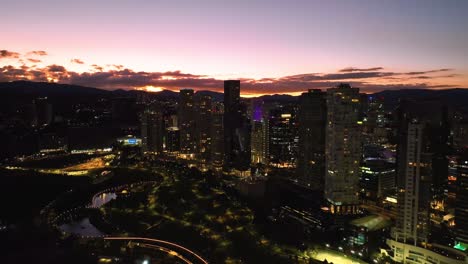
(259, 136)
(343, 149)
(283, 136)
(217, 137)
(412, 225)
(377, 179)
(172, 140)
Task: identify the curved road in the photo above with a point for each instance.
(174, 249)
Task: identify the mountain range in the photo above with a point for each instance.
(28, 90)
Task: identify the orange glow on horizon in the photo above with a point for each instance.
(150, 88)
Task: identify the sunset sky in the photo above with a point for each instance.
(273, 46)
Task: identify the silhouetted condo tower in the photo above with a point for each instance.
(311, 159)
(343, 149)
(203, 127)
(152, 128)
(236, 132)
(186, 116)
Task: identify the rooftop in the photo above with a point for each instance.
(372, 222)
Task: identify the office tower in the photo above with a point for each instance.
(236, 130)
(375, 121)
(283, 136)
(217, 137)
(152, 131)
(343, 149)
(43, 112)
(259, 134)
(311, 155)
(377, 178)
(461, 204)
(186, 120)
(203, 127)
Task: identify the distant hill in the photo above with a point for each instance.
(279, 98)
(38, 89)
(457, 98)
(26, 90)
(219, 97)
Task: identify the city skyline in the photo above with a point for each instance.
(249, 131)
(272, 47)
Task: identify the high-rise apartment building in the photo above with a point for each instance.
(203, 127)
(152, 131)
(412, 226)
(186, 122)
(236, 129)
(311, 155)
(433, 115)
(343, 149)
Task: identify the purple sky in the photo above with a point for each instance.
(252, 40)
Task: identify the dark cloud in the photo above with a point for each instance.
(97, 67)
(77, 61)
(426, 72)
(56, 68)
(352, 69)
(119, 77)
(337, 76)
(37, 53)
(34, 60)
(9, 54)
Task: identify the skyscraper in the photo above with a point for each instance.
(172, 142)
(311, 155)
(217, 137)
(374, 127)
(186, 122)
(283, 136)
(412, 226)
(236, 129)
(343, 149)
(203, 127)
(433, 116)
(152, 131)
(259, 134)
(421, 168)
